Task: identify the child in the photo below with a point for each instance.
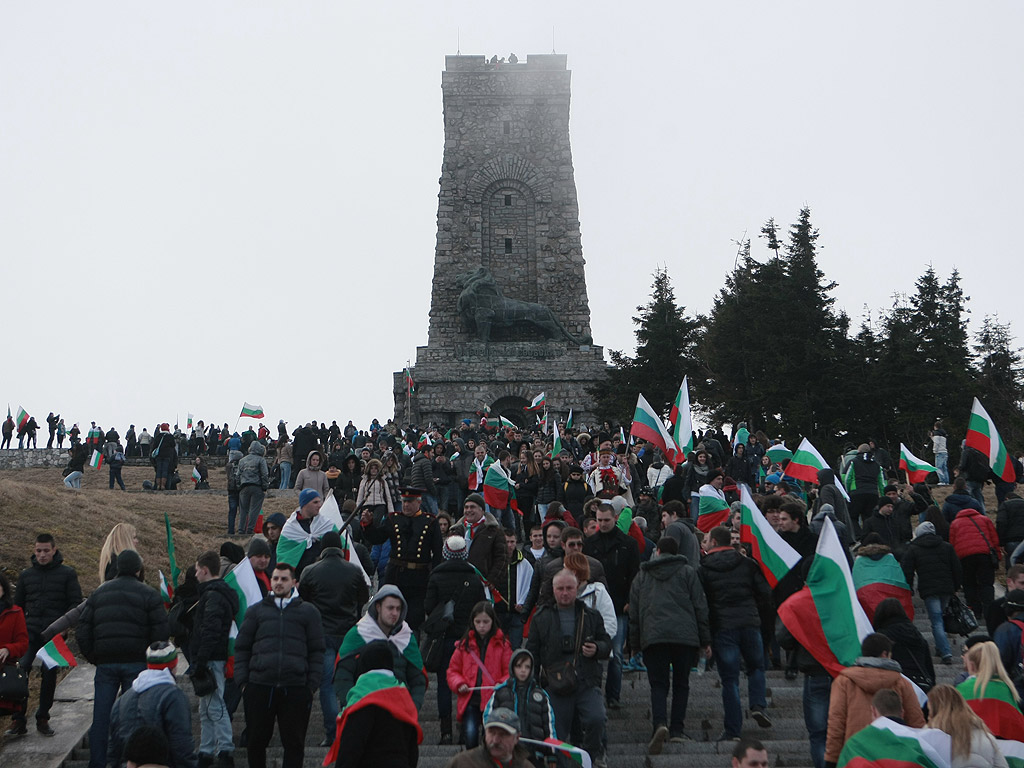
(481, 658)
(526, 698)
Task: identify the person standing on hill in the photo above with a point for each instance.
(865, 482)
(253, 482)
(45, 592)
(8, 432)
(164, 456)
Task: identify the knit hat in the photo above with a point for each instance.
(161, 655)
(307, 495)
(277, 520)
(258, 547)
(128, 563)
(924, 528)
(331, 539)
(455, 548)
(476, 498)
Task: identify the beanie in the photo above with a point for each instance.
(455, 548)
(331, 539)
(232, 552)
(128, 563)
(477, 499)
(307, 495)
(161, 655)
(277, 520)
(258, 547)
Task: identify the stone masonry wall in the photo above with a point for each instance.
(34, 458)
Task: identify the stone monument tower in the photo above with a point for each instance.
(509, 316)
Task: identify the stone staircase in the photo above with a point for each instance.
(629, 728)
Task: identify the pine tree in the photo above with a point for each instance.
(1000, 378)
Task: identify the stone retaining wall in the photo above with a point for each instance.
(36, 458)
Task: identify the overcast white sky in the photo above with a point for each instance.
(205, 203)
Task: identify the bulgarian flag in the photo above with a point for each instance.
(96, 460)
(499, 491)
(1013, 751)
(713, 509)
(575, 755)
(23, 417)
(544, 423)
(476, 479)
(367, 631)
(503, 422)
(556, 447)
(995, 705)
(410, 385)
(779, 453)
(741, 437)
(295, 540)
(538, 402)
(647, 426)
(377, 689)
(196, 477)
(775, 556)
(893, 745)
(251, 411)
(424, 441)
(983, 436)
(825, 616)
(805, 465)
(917, 469)
(166, 590)
(876, 580)
(170, 550)
(682, 424)
(188, 424)
(56, 654)
(568, 422)
(242, 579)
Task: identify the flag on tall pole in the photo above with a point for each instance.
(917, 469)
(544, 422)
(647, 426)
(170, 551)
(251, 411)
(188, 424)
(538, 402)
(775, 556)
(983, 436)
(682, 424)
(806, 463)
(825, 616)
(410, 385)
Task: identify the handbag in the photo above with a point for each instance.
(434, 630)
(992, 551)
(958, 618)
(203, 681)
(562, 678)
(13, 683)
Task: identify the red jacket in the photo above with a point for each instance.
(966, 533)
(464, 668)
(14, 637)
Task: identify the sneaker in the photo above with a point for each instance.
(43, 726)
(761, 718)
(679, 738)
(613, 704)
(18, 728)
(947, 660)
(791, 674)
(725, 736)
(657, 742)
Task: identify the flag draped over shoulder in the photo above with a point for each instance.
(1013, 751)
(888, 744)
(775, 556)
(295, 540)
(917, 469)
(367, 631)
(878, 579)
(983, 436)
(825, 616)
(378, 688)
(647, 426)
(713, 508)
(499, 491)
(995, 705)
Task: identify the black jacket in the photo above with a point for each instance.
(735, 588)
(454, 580)
(1010, 520)
(211, 622)
(803, 659)
(338, 590)
(280, 646)
(422, 475)
(911, 650)
(620, 556)
(938, 569)
(545, 642)
(120, 620)
(47, 592)
(894, 530)
(373, 736)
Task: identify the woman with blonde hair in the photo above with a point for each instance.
(990, 692)
(973, 743)
(121, 537)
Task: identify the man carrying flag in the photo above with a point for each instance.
(500, 492)
(478, 469)
(299, 544)
(713, 509)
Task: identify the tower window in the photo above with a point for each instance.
(508, 199)
(508, 245)
(506, 127)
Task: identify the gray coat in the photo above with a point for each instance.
(252, 469)
(667, 604)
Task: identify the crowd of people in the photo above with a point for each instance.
(527, 605)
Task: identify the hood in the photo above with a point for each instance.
(388, 590)
(874, 551)
(257, 447)
(323, 461)
(724, 560)
(149, 678)
(827, 510)
(826, 477)
(516, 655)
(664, 567)
(874, 662)
(234, 456)
(927, 540)
(872, 677)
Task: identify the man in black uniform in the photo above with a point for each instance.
(415, 548)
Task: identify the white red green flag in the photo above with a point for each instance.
(647, 426)
(251, 411)
(538, 402)
(544, 423)
(242, 579)
(775, 556)
(556, 447)
(742, 434)
(23, 418)
(479, 470)
(568, 421)
(166, 590)
(983, 436)
(779, 453)
(825, 616)
(502, 421)
(805, 465)
(894, 745)
(56, 654)
(188, 424)
(96, 460)
(376, 689)
(499, 491)
(876, 580)
(410, 385)
(196, 476)
(295, 540)
(575, 755)
(424, 441)
(1013, 751)
(682, 424)
(713, 509)
(917, 469)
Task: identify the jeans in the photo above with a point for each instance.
(731, 646)
(290, 708)
(694, 505)
(613, 684)
(232, 511)
(328, 698)
(48, 678)
(979, 578)
(942, 464)
(286, 475)
(214, 718)
(976, 489)
(115, 476)
(74, 480)
(444, 694)
(659, 659)
(250, 502)
(587, 706)
(110, 680)
(935, 606)
(817, 689)
(443, 496)
(428, 503)
(471, 721)
(512, 625)
(506, 517)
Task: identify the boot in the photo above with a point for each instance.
(225, 759)
(446, 731)
(206, 760)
